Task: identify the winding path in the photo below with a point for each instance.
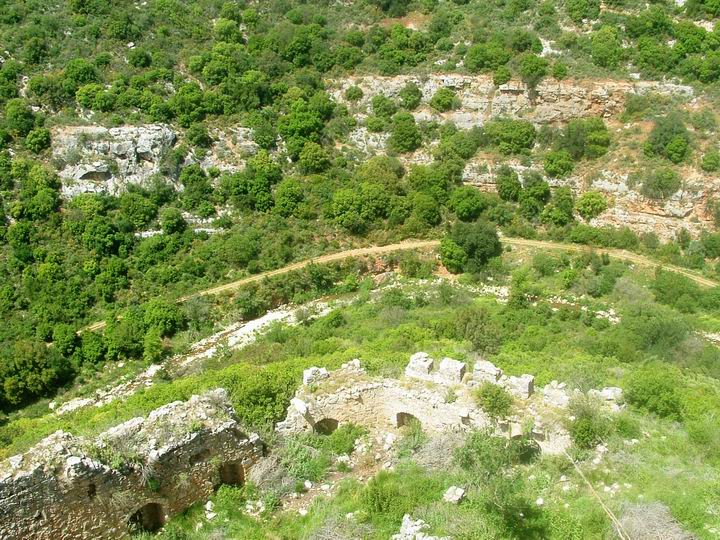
(620, 254)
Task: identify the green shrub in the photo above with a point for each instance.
(511, 136)
(558, 164)
(585, 138)
(655, 389)
(589, 427)
(669, 138)
(467, 203)
(38, 140)
(591, 204)
(444, 100)
(410, 96)
(354, 93)
(661, 184)
(508, 184)
(405, 135)
(494, 400)
(710, 161)
(302, 461)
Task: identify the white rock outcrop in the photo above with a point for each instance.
(96, 159)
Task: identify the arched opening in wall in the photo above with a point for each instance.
(406, 419)
(325, 426)
(232, 473)
(148, 518)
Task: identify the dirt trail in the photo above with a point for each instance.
(424, 244)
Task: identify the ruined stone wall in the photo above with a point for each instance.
(437, 394)
(132, 477)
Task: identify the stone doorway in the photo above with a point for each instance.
(232, 473)
(148, 518)
(326, 426)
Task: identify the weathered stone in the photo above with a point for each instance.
(484, 371)
(414, 530)
(454, 495)
(609, 393)
(300, 405)
(555, 394)
(98, 159)
(314, 374)
(451, 370)
(520, 386)
(68, 487)
(420, 366)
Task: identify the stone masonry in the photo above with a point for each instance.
(439, 398)
(131, 478)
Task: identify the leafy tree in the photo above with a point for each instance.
(410, 96)
(591, 204)
(140, 210)
(313, 158)
(172, 221)
(479, 242)
(354, 93)
(444, 100)
(669, 138)
(661, 183)
(288, 196)
(710, 161)
(425, 209)
(508, 184)
(153, 346)
(605, 47)
(452, 256)
(467, 203)
(559, 211)
(405, 135)
(511, 136)
(166, 317)
(38, 140)
(532, 69)
(558, 163)
(486, 56)
(534, 196)
(79, 72)
(197, 188)
(19, 119)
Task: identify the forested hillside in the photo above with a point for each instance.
(153, 149)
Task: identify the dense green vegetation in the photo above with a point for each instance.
(206, 66)
(652, 353)
(201, 64)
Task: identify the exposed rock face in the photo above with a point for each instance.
(552, 101)
(132, 477)
(97, 159)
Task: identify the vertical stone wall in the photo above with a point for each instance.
(132, 477)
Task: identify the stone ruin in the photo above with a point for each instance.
(440, 399)
(131, 478)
